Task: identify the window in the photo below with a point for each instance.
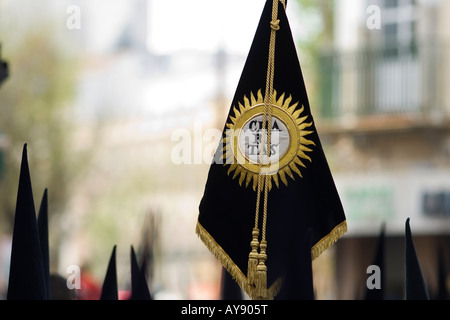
(397, 72)
(398, 23)
(391, 3)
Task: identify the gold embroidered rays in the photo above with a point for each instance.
(289, 145)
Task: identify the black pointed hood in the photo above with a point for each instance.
(415, 284)
(43, 240)
(109, 288)
(26, 275)
(139, 287)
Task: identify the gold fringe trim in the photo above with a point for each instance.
(274, 288)
(221, 255)
(329, 239)
(241, 279)
(232, 268)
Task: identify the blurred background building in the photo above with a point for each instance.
(385, 115)
(121, 101)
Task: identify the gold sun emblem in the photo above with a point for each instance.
(288, 145)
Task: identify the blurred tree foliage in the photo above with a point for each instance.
(316, 18)
(324, 10)
(36, 108)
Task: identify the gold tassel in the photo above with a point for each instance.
(253, 258)
(233, 269)
(261, 272)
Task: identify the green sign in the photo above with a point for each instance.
(368, 202)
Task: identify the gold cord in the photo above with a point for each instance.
(257, 270)
(267, 132)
